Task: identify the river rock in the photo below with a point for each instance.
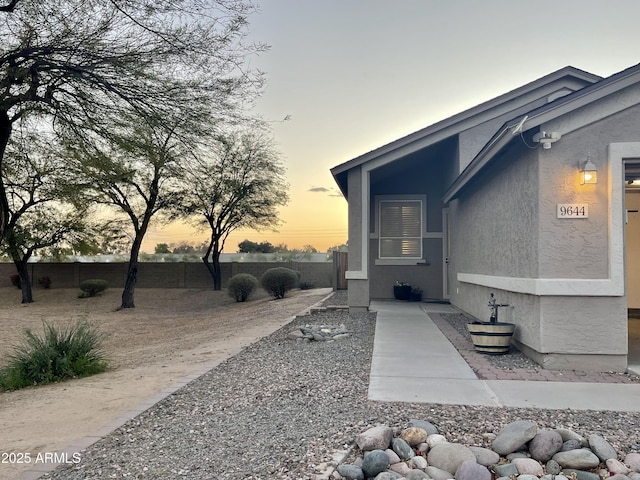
(402, 448)
(616, 466)
(428, 427)
(545, 445)
(470, 470)
(375, 462)
(389, 476)
(634, 475)
(417, 475)
(602, 448)
(414, 435)
(581, 474)
(434, 439)
(567, 434)
(553, 467)
(513, 436)
(418, 462)
(528, 466)
(526, 476)
(449, 456)
(484, 456)
(437, 473)
(632, 460)
(401, 468)
(376, 438)
(351, 472)
(583, 459)
(571, 445)
(505, 470)
(618, 476)
(393, 456)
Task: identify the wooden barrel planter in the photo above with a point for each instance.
(402, 292)
(491, 338)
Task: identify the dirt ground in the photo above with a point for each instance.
(170, 334)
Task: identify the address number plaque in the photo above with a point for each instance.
(572, 210)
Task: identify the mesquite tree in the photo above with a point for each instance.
(69, 63)
(238, 182)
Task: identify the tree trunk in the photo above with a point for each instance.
(214, 268)
(132, 274)
(5, 134)
(25, 280)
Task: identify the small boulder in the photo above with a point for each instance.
(513, 436)
(429, 427)
(583, 459)
(484, 456)
(376, 438)
(414, 435)
(528, 466)
(402, 448)
(602, 448)
(374, 462)
(471, 470)
(449, 456)
(545, 445)
(350, 472)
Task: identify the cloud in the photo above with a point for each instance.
(318, 189)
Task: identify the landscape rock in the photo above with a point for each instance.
(618, 476)
(375, 462)
(402, 448)
(581, 474)
(528, 466)
(513, 436)
(350, 472)
(414, 435)
(485, 456)
(571, 445)
(601, 448)
(428, 427)
(393, 456)
(616, 466)
(553, 467)
(568, 434)
(449, 456)
(401, 468)
(434, 439)
(545, 445)
(470, 470)
(505, 470)
(418, 462)
(376, 438)
(632, 460)
(437, 473)
(583, 459)
(417, 475)
(388, 476)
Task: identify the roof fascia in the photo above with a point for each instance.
(459, 122)
(539, 116)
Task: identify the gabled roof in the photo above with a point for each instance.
(459, 122)
(539, 116)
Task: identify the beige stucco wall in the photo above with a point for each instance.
(506, 226)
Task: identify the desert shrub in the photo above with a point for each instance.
(92, 287)
(57, 355)
(45, 281)
(15, 281)
(242, 285)
(278, 281)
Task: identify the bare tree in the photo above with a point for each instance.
(69, 62)
(238, 183)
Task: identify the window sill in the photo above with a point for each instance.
(401, 261)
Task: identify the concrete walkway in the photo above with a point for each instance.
(413, 361)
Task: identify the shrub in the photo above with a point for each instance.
(305, 285)
(242, 285)
(92, 287)
(15, 281)
(45, 281)
(278, 281)
(57, 355)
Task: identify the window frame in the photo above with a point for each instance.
(422, 202)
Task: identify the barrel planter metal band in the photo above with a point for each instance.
(491, 338)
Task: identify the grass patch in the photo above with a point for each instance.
(59, 354)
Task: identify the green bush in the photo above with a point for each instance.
(242, 285)
(57, 355)
(92, 287)
(305, 285)
(279, 280)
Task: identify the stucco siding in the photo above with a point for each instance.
(495, 222)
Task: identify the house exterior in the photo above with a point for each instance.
(491, 200)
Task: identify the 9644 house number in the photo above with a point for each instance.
(572, 210)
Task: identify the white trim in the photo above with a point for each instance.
(445, 253)
(355, 275)
(606, 287)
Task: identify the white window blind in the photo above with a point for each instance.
(400, 229)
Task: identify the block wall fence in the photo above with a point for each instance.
(165, 275)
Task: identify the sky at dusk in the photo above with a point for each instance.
(353, 75)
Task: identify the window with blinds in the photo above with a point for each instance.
(400, 233)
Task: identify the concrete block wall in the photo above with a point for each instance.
(163, 275)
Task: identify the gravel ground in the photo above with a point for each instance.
(280, 408)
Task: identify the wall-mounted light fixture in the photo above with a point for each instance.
(588, 173)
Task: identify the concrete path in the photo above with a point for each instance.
(413, 361)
